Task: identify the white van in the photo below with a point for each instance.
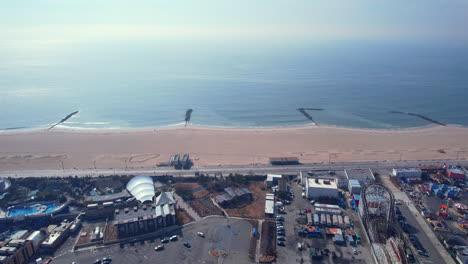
(299, 246)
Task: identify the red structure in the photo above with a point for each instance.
(455, 174)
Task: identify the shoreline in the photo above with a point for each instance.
(210, 127)
(137, 148)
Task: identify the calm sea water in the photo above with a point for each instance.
(151, 84)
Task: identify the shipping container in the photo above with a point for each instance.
(334, 220)
(309, 219)
(316, 219)
(326, 206)
(346, 221)
(340, 221)
(328, 211)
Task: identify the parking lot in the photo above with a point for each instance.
(415, 229)
(230, 235)
(290, 254)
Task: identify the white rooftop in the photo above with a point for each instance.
(165, 198)
(271, 176)
(407, 169)
(269, 207)
(142, 188)
(320, 184)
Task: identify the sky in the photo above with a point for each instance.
(26, 23)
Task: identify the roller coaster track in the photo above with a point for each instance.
(382, 226)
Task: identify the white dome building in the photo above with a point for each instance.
(142, 188)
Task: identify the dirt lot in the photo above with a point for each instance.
(249, 209)
(111, 233)
(268, 243)
(197, 190)
(200, 194)
(184, 217)
(205, 207)
(253, 241)
(84, 239)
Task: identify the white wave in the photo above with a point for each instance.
(86, 128)
(175, 125)
(96, 123)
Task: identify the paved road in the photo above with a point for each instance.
(434, 256)
(182, 204)
(255, 169)
(437, 252)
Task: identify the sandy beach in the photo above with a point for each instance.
(53, 149)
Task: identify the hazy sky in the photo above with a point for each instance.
(57, 21)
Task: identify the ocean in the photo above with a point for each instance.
(137, 84)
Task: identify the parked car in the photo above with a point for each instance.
(164, 240)
(281, 243)
(173, 238)
(280, 233)
(187, 244)
(158, 248)
(280, 218)
(423, 252)
(201, 234)
(281, 238)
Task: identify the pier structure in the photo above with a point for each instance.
(307, 115)
(419, 116)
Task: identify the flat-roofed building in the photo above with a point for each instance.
(364, 176)
(57, 235)
(273, 179)
(17, 251)
(270, 196)
(269, 208)
(283, 184)
(339, 176)
(147, 219)
(100, 199)
(354, 187)
(318, 188)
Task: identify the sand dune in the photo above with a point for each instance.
(211, 146)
